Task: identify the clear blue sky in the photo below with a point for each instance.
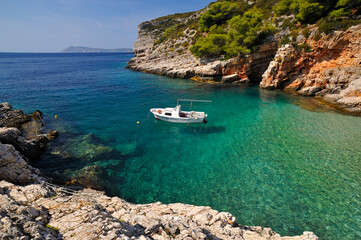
(52, 25)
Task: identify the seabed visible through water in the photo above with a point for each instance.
(261, 156)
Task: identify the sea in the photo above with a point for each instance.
(271, 159)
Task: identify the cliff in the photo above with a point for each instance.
(329, 69)
(37, 209)
(286, 51)
(173, 58)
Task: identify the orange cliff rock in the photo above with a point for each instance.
(331, 70)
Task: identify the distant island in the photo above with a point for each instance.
(80, 49)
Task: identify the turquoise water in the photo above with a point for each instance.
(261, 156)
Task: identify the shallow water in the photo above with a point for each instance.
(260, 156)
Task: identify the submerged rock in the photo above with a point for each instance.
(89, 176)
(85, 148)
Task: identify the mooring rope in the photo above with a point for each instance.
(57, 188)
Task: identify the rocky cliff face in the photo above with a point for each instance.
(41, 210)
(172, 58)
(330, 69)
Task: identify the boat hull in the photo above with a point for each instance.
(177, 119)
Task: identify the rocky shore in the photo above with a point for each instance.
(330, 69)
(172, 58)
(326, 66)
(33, 208)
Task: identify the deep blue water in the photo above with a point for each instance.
(261, 156)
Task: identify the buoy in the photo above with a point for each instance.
(56, 116)
(138, 122)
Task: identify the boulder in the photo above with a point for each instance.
(31, 148)
(14, 168)
(12, 118)
(37, 115)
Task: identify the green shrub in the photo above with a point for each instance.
(211, 46)
(288, 23)
(309, 12)
(185, 44)
(306, 32)
(327, 27)
(52, 228)
(303, 47)
(268, 29)
(339, 13)
(348, 3)
(219, 13)
(294, 34)
(285, 40)
(283, 7)
(244, 33)
(245, 29)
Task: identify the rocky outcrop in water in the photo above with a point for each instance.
(20, 140)
(23, 131)
(10, 117)
(42, 210)
(330, 68)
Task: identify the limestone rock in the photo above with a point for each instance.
(17, 129)
(14, 168)
(31, 148)
(10, 117)
(331, 69)
(37, 115)
(35, 211)
(173, 58)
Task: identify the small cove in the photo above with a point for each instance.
(261, 156)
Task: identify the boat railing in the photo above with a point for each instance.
(192, 100)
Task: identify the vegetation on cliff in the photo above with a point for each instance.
(229, 28)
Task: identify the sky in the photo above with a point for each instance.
(53, 25)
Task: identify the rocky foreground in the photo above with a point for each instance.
(33, 208)
(37, 211)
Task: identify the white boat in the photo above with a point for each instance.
(175, 115)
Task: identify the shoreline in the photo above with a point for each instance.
(328, 69)
(50, 210)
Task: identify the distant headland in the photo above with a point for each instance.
(80, 49)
